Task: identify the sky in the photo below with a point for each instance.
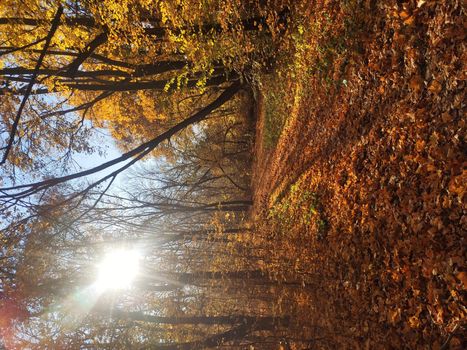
(87, 161)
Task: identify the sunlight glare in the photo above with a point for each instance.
(118, 269)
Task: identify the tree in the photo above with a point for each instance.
(162, 77)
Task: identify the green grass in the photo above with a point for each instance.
(317, 49)
(296, 210)
(274, 117)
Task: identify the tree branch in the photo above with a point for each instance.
(14, 128)
(138, 152)
(88, 51)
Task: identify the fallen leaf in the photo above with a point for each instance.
(462, 276)
(409, 21)
(435, 87)
(416, 83)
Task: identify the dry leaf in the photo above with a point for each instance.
(435, 87)
(416, 83)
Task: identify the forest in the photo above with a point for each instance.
(233, 174)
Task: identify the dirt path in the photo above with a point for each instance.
(384, 153)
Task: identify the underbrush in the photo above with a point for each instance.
(299, 210)
(318, 44)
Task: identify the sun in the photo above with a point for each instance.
(118, 269)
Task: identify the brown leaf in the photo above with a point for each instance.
(416, 83)
(462, 276)
(435, 87)
(446, 117)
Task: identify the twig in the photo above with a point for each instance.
(135, 154)
(22, 47)
(448, 340)
(14, 128)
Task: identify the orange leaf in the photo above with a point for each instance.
(416, 83)
(409, 21)
(462, 276)
(435, 87)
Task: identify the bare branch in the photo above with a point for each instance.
(138, 152)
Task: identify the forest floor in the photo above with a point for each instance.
(359, 175)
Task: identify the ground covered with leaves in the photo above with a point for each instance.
(359, 180)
